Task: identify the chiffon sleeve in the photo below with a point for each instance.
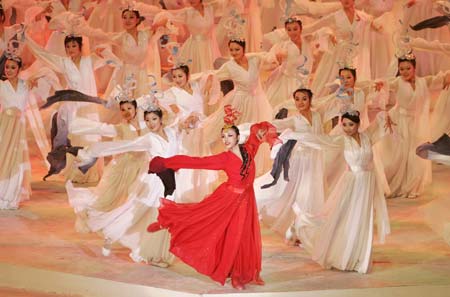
(376, 130)
(327, 21)
(287, 123)
(82, 126)
(315, 141)
(435, 82)
(110, 148)
(314, 9)
(55, 62)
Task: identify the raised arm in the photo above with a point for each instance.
(214, 162)
(55, 62)
(82, 126)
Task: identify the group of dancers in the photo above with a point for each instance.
(310, 156)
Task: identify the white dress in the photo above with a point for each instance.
(127, 223)
(358, 33)
(15, 175)
(302, 197)
(247, 97)
(344, 230)
(284, 80)
(80, 78)
(201, 47)
(192, 142)
(408, 174)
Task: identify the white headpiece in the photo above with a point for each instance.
(174, 58)
(402, 41)
(14, 50)
(151, 100)
(302, 74)
(235, 26)
(348, 54)
(125, 92)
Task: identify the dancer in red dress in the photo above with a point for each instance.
(219, 236)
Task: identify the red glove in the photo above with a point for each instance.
(156, 165)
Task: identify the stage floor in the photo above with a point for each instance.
(41, 252)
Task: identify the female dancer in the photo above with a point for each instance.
(188, 99)
(344, 230)
(15, 169)
(301, 195)
(138, 50)
(78, 71)
(407, 174)
(126, 222)
(201, 46)
(352, 29)
(291, 55)
(112, 190)
(247, 97)
(219, 236)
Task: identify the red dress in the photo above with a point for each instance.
(219, 236)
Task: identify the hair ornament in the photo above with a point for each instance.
(150, 101)
(14, 50)
(286, 7)
(235, 26)
(402, 42)
(349, 109)
(345, 60)
(174, 58)
(231, 115)
(125, 92)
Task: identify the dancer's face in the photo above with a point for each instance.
(153, 121)
(127, 111)
(11, 69)
(407, 70)
(302, 101)
(129, 20)
(236, 51)
(348, 79)
(294, 31)
(229, 138)
(179, 77)
(348, 3)
(350, 128)
(73, 49)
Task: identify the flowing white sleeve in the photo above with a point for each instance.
(435, 82)
(327, 21)
(283, 124)
(82, 126)
(55, 62)
(110, 148)
(320, 142)
(314, 9)
(434, 46)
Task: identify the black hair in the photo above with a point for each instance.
(303, 90)
(158, 112)
(183, 67)
(399, 60)
(71, 38)
(132, 102)
(18, 60)
(241, 43)
(352, 117)
(136, 13)
(293, 20)
(246, 159)
(2, 14)
(351, 70)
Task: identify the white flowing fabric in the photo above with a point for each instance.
(344, 231)
(283, 81)
(407, 173)
(193, 141)
(302, 197)
(358, 33)
(127, 223)
(15, 169)
(247, 97)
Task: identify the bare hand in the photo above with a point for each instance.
(99, 51)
